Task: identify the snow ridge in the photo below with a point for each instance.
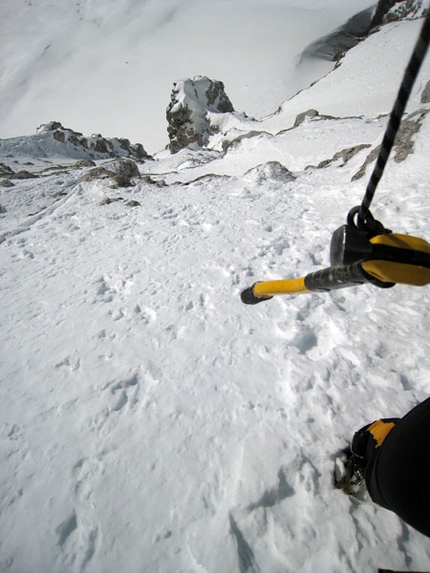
(53, 140)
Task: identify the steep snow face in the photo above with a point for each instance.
(127, 54)
(150, 420)
(366, 82)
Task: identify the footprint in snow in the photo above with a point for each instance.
(124, 392)
(78, 533)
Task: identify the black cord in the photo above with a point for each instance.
(405, 90)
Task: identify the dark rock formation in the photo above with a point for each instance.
(5, 170)
(270, 171)
(392, 10)
(301, 117)
(404, 142)
(192, 112)
(343, 156)
(425, 96)
(120, 171)
(333, 46)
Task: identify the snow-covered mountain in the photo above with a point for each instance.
(104, 67)
(152, 422)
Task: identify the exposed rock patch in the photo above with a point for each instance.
(5, 170)
(301, 117)
(120, 171)
(333, 46)
(410, 126)
(23, 175)
(394, 10)
(344, 156)
(6, 183)
(404, 143)
(272, 170)
(425, 96)
(109, 200)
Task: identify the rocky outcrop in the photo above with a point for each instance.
(120, 172)
(52, 139)
(342, 157)
(96, 146)
(193, 112)
(333, 46)
(7, 174)
(5, 170)
(404, 142)
(425, 96)
(410, 126)
(393, 10)
(309, 115)
(270, 171)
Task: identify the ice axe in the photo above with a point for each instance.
(363, 251)
(357, 257)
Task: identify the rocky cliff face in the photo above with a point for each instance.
(194, 111)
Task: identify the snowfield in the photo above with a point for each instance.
(151, 421)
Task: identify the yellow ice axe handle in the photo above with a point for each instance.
(320, 281)
(392, 259)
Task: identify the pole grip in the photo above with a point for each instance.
(334, 278)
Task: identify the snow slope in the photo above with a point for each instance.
(151, 422)
(127, 54)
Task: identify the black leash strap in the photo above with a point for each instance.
(405, 90)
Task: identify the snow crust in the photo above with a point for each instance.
(151, 421)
